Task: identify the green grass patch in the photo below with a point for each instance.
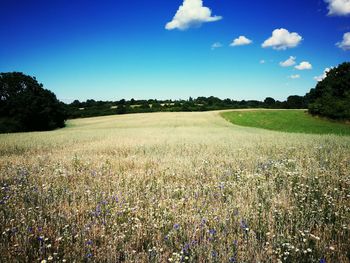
(287, 121)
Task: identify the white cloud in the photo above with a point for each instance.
(304, 65)
(216, 45)
(241, 41)
(289, 62)
(345, 44)
(321, 77)
(282, 39)
(262, 61)
(338, 7)
(191, 13)
(296, 76)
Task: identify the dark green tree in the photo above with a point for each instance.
(331, 96)
(26, 106)
(296, 102)
(269, 102)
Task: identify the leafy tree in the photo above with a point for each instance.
(26, 106)
(296, 102)
(269, 102)
(76, 103)
(331, 96)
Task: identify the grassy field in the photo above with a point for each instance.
(286, 120)
(173, 187)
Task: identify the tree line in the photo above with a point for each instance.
(25, 105)
(90, 108)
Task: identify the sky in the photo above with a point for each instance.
(173, 49)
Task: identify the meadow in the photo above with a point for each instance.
(173, 187)
(288, 121)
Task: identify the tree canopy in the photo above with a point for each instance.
(26, 106)
(331, 96)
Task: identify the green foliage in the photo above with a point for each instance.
(296, 102)
(331, 97)
(287, 120)
(26, 106)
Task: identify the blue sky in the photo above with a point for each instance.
(109, 50)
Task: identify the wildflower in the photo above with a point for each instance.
(322, 260)
(43, 261)
(232, 259)
(176, 226)
(244, 225)
(212, 232)
(186, 248)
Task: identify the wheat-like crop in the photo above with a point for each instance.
(173, 187)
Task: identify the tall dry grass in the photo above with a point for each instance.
(173, 187)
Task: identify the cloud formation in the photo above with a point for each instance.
(282, 39)
(216, 45)
(323, 76)
(241, 41)
(296, 76)
(345, 44)
(289, 62)
(190, 14)
(338, 7)
(304, 66)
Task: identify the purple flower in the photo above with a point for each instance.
(214, 254)
(176, 226)
(89, 242)
(186, 248)
(212, 231)
(244, 224)
(322, 260)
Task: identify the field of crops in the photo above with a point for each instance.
(173, 187)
